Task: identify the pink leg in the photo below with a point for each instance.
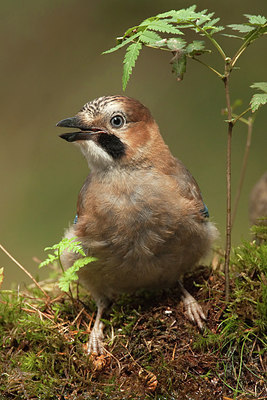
(192, 308)
(95, 343)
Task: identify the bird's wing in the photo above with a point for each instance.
(189, 189)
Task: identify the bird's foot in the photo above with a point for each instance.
(95, 343)
(192, 309)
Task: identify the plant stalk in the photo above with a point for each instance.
(228, 181)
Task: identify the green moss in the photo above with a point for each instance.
(42, 355)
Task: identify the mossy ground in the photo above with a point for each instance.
(154, 352)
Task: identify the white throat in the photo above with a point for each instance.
(97, 158)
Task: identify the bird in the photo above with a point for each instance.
(140, 212)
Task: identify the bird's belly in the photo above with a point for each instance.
(127, 277)
(126, 268)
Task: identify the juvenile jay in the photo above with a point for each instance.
(140, 212)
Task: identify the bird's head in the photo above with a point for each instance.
(114, 130)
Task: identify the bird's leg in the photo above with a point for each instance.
(95, 343)
(192, 308)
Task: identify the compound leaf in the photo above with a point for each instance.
(130, 58)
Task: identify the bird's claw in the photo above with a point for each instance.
(95, 343)
(193, 309)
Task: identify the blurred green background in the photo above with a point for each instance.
(51, 64)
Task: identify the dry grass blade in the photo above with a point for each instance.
(24, 270)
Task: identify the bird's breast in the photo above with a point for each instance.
(133, 217)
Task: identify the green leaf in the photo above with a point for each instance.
(161, 26)
(232, 36)
(211, 23)
(260, 85)
(123, 43)
(130, 58)
(149, 37)
(197, 46)
(241, 28)
(183, 15)
(167, 14)
(258, 99)
(179, 65)
(256, 19)
(203, 17)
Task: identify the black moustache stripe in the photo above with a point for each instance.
(112, 145)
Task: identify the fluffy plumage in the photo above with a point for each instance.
(140, 211)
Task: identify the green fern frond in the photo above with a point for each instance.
(70, 275)
(71, 245)
(131, 55)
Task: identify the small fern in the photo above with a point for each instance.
(70, 275)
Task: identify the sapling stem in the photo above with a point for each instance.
(228, 180)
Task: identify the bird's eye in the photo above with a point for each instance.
(117, 121)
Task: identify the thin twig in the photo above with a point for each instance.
(243, 169)
(24, 270)
(245, 44)
(213, 41)
(241, 115)
(208, 66)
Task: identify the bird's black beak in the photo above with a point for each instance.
(85, 132)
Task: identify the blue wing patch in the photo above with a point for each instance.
(75, 219)
(205, 211)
